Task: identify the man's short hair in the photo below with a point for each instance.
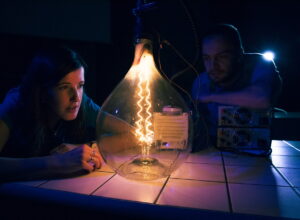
(228, 32)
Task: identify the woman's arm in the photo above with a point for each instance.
(117, 135)
(115, 125)
(73, 161)
(58, 165)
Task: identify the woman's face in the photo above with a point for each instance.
(66, 96)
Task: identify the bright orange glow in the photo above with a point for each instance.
(144, 130)
(144, 126)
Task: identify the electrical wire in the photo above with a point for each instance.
(193, 102)
(189, 66)
(197, 44)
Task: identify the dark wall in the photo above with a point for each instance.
(27, 26)
(263, 25)
(17, 52)
(68, 19)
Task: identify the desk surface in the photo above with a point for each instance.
(208, 180)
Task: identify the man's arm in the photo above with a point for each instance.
(262, 91)
(250, 97)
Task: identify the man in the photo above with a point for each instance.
(232, 78)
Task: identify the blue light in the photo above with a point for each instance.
(269, 55)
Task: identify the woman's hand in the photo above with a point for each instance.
(73, 162)
(79, 158)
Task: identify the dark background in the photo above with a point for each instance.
(102, 32)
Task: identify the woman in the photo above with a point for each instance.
(46, 112)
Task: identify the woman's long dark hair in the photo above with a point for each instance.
(48, 67)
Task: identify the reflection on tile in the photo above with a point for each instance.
(285, 151)
(209, 155)
(195, 194)
(265, 200)
(34, 183)
(209, 172)
(293, 175)
(265, 175)
(296, 144)
(105, 168)
(244, 160)
(286, 161)
(276, 143)
(284, 148)
(121, 188)
(298, 190)
(84, 184)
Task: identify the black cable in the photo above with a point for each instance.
(196, 38)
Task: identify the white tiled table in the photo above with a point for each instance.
(220, 182)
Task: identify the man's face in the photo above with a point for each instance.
(219, 59)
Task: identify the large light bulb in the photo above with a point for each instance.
(144, 127)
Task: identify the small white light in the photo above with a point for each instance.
(268, 55)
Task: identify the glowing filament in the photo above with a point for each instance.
(144, 130)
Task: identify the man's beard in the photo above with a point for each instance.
(223, 79)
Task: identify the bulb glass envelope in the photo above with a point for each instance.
(144, 128)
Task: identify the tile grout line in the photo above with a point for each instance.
(39, 185)
(287, 180)
(291, 145)
(283, 176)
(163, 187)
(197, 180)
(240, 183)
(91, 194)
(227, 186)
